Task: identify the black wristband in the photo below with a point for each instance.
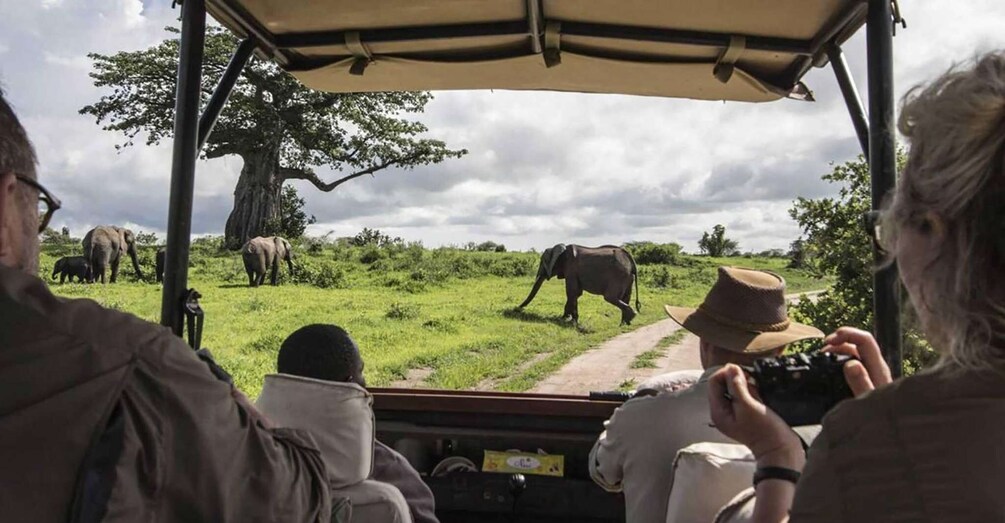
(763, 473)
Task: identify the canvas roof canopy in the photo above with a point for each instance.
(743, 50)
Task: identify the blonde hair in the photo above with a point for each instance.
(956, 171)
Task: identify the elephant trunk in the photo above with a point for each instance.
(533, 291)
(136, 262)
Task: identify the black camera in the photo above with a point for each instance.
(803, 387)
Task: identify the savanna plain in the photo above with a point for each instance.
(449, 312)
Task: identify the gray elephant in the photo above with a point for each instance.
(70, 267)
(607, 270)
(104, 247)
(263, 255)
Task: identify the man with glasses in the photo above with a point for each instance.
(104, 416)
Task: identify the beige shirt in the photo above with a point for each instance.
(75, 376)
(636, 452)
(927, 448)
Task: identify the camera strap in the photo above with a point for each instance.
(193, 318)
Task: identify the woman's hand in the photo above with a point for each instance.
(867, 374)
(739, 414)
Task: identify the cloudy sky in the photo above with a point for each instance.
(543, 167)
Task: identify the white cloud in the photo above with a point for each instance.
(543, 167)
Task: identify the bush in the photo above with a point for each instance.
(403, 311)
(375, 238)
(661, 278)
(371, 254)
(321, 274)
(649, 253)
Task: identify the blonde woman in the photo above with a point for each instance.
(930, 447)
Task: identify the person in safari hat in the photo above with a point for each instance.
(743, 318)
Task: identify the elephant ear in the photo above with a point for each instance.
(553, 255)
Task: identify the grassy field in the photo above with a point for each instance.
(449, 311)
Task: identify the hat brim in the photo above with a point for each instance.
(737, 340)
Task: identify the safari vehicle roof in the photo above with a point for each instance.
(743, 50)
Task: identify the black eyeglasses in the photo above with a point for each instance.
(47, 203)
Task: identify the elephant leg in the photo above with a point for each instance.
(115, 270)
(614, 297)
(274, 278)
(62, 277)
(628, 313)
(572, 294)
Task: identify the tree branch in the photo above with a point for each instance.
(287, 173)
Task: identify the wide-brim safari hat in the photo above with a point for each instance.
(745, 311)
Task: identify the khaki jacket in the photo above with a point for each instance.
(636, 452)
(75, 376)
(928, 448)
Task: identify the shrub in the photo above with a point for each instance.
(403, 311)
(321, 274)
(371, 254)
(649, 253)
(661, 278)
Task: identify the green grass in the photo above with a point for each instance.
(647, 360)
(672, 339)
(448, 310)
(627, 385)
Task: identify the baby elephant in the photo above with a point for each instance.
(71, 266)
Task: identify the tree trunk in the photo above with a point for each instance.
(256, 198)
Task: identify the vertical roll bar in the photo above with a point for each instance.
(223, 89)
(883, 170)
(851, 98)
(186, 133)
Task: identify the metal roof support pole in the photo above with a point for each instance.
(223, 89)
(186, 133)
(851, 98)
(535, 25)
(883, 169)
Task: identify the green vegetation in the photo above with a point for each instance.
(673, 339)
(837, 245)
(717, 244)
(450, 310)
(647, 360)
(627, 385)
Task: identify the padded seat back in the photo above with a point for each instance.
(706, 477)
(338, 415)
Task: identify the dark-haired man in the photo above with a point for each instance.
(106, 417)
(327, 352)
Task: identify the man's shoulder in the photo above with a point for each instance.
(645, 409)
(80, 320)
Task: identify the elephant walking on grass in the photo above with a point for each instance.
(263, 255)
(104, 247)
(70, 267)
(607, 271)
